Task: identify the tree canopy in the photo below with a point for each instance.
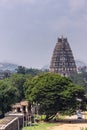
(31, 71)
(11, 91)
(7, 97)
(54, 93)
(17, 81)
(80, 79)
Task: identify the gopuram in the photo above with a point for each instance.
(62, 61)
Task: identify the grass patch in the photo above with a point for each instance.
(40, 126)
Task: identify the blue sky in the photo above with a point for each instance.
(29, 30)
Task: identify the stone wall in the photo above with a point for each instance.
(11, 123)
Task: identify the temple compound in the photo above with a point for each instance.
(62, 61)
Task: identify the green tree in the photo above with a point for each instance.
(80, 79)
(21, 70)
(11, 91)
(33, 72)
(7, 97)
(54, 94)
(17, 81)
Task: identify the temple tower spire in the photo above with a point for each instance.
(62, 61)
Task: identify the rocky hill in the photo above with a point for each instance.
(8, 66)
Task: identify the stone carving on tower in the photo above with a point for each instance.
(62, 61)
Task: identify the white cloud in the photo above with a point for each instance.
(76, 5)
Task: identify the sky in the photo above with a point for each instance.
(29, 30)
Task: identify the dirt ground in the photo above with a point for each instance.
(78, 126)
(72, 126)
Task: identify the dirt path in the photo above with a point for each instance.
(78, 126)
(72, 126)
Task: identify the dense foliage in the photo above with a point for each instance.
(17, 81)
(80, 79)
(7, 97)
(54, 94)
(12, 88)
(31, 71)
(11, 91)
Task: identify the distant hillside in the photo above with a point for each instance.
(8, 66)
(12, 67)
(46, 67)
(80, 63)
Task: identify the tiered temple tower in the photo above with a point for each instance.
(62, 61)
